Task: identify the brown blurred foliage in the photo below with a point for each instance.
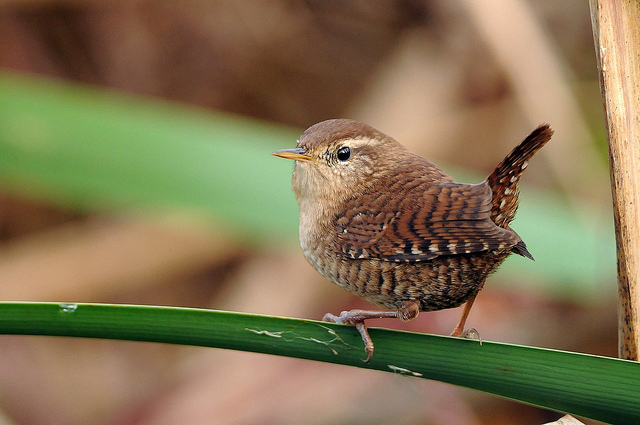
(459, 81)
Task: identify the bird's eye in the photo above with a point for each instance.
(344, 153)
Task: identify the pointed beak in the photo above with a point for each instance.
(297, 154)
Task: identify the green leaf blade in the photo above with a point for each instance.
(596, 387)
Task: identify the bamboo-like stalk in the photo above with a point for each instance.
(616, 29)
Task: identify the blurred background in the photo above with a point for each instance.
(135, 167)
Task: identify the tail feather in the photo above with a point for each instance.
(505, 178)
(521, 249)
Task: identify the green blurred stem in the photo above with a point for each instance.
(600, 388)
(95, 149)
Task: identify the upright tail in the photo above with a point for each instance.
(505, 178)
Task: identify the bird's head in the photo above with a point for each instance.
(340, 158)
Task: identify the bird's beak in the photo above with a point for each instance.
(297, 154)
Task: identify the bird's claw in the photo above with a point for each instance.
(333, 318)
(471, 333)
(355, 318)
(408, 311)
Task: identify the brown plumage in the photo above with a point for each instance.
(393, 228)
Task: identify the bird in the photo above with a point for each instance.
(393, 228)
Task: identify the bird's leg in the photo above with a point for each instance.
(357, 318)
(459, 330)
(408, 311)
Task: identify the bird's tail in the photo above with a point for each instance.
(505, 178)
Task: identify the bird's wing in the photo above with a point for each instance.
(446, 219)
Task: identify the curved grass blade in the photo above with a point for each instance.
(600, 388)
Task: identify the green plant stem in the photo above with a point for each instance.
(600, 388)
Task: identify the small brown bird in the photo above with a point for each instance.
(393, 228)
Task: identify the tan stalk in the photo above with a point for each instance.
(616, 29)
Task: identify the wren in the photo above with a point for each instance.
(390, 226)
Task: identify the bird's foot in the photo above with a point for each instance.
(344, 319)
(357, 318)
(408, 311)
(471, 333)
